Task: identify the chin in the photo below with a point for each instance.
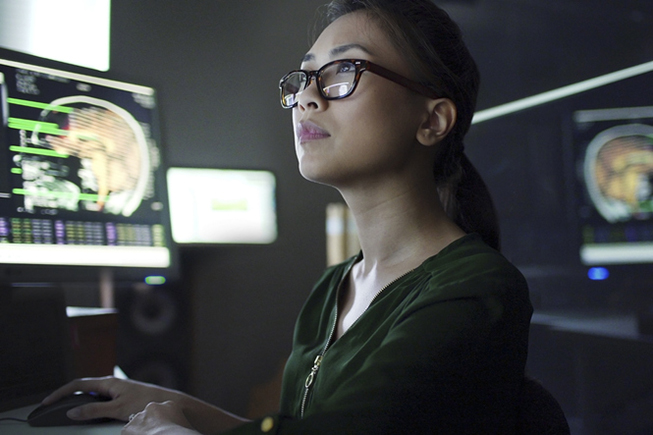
(311, 176)
(314, 175)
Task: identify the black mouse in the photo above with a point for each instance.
(55, 413)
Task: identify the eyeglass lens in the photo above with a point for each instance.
(335, 80)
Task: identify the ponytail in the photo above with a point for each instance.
(468, 202)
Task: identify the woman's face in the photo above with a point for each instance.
(370, 135)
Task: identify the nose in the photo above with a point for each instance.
(310, 97)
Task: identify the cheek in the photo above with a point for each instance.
(387, 122)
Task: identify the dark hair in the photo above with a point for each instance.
(433, 46)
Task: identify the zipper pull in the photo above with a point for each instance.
(311, 376)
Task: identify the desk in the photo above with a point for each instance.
(19, 428)
(599, 368)
(619, 326)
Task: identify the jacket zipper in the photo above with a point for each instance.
(310, 379)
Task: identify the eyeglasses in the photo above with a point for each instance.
(338, 79)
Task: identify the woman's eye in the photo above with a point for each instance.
(345, 68)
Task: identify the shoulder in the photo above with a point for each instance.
(469, 267)
(473, 286)
(469, 252)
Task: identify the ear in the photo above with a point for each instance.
(438, 121)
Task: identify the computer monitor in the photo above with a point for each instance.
(82, 180)
(613, 150)
(222, 206)
(27, 26)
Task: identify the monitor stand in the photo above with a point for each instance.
(107, 289)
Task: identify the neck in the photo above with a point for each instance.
(400, 229)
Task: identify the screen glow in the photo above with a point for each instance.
(222, 206)
(598, 273)
(83, 183)
(70, 31)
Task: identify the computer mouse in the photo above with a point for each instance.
(55, 413)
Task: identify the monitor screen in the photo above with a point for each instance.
(81, 177)
(222, 206)
(614, 166)
(39, 27)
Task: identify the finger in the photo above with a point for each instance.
(62, 392)
(88, 385)
(131, 427)
(93, 411)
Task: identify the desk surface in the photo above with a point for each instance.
(623, 327)
(20, 428)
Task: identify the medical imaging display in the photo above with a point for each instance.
(614, 167)
(80, 171)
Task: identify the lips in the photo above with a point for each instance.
(308, 131)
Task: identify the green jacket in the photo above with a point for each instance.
(440, 351)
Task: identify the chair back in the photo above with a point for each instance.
(539, 412)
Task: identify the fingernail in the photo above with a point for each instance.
(73, 413)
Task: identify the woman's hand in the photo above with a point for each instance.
(128, 397)
(159, 419)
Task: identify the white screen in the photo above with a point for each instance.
(222, 206)
(70, 31)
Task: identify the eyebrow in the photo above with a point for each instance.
(338, 50)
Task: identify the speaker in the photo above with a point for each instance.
(34, 344)
(153, 343)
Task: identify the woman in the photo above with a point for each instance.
(426, 330)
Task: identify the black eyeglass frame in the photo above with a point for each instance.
(361, 66)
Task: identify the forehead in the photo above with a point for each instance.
(357, 33)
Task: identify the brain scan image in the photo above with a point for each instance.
(100, 146)
(618, 172)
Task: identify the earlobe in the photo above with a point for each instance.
(439, 122)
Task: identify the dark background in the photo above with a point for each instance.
(216, 66)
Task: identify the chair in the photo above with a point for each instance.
(539, 412)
